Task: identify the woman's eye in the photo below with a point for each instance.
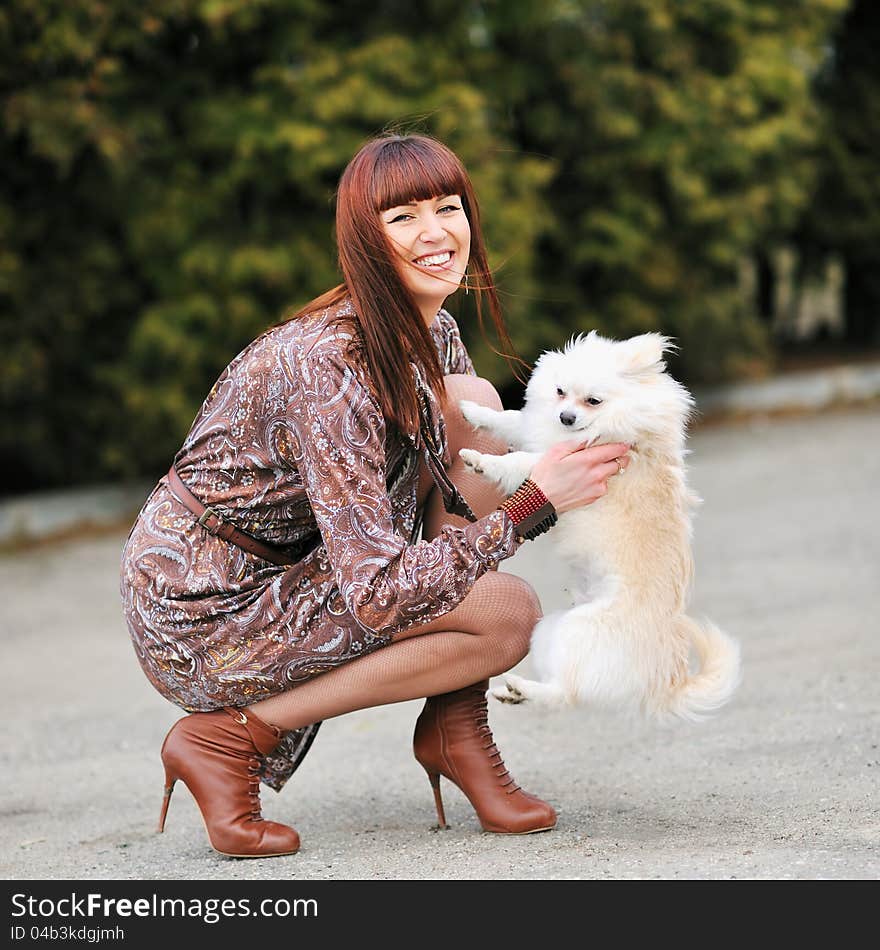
(593, 401)
(560, 391)
(450, 208)
(399, 217)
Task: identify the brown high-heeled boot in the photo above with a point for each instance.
(215, 755)
(453, 738)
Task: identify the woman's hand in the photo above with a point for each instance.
(572, 474)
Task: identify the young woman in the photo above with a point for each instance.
(310, 551)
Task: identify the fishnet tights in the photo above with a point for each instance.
(485, 635)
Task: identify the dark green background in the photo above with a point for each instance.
(167, 172)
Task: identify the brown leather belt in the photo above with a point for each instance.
(215, 525)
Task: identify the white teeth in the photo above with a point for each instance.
(435, 259)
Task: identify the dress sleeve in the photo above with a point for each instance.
(386, 581)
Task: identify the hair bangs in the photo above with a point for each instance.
(414, 169)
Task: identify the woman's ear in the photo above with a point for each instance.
(644, 353)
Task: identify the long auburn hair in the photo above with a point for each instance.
(387, 171)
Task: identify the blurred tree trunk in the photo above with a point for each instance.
(844, 216)
(862, 297)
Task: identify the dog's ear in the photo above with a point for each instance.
(548, 360)
(644, 353)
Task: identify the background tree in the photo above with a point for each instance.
(167, 175)
(844, 216)
(683, 133)
(167, 172)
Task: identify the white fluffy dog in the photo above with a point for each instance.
(627, 640)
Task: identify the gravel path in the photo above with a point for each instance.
(782, 783)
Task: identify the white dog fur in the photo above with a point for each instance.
(627, 640)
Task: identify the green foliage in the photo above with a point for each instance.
(168, 176)
(167, 172)
(683, 133)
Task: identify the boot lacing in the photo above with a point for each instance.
(254, 788)
(254, 767)
(481, 718)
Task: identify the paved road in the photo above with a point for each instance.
(783, 783)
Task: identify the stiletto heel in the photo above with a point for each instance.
(169, 788)
(217, 756)
(453, 739)
(434, 779)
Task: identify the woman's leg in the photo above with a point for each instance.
(449, 660)
(452, 736)
(482, 495)
(485, 635)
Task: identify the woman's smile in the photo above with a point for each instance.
(439, 260)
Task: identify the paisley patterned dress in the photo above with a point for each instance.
(291, 446)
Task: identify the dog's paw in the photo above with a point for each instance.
(478, 416)
(508, 693)
(473, 412)
(472, 459)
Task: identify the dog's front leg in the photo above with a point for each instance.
(505, 424)
(517, 690)
(509, 471)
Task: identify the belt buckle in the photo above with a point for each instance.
(203, 521)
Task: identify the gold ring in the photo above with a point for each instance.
(620, 468)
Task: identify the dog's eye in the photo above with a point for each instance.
(560, 391)
(593, 401)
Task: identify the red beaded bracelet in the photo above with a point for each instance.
(529, 510)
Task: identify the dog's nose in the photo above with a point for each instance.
(567, 418)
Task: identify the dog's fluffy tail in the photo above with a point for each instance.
(709, 687)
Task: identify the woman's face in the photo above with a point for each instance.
(433, 240)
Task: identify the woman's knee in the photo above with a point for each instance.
(471, 388)
(510, 609)
(460, 432)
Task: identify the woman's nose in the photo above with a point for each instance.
(432, 231)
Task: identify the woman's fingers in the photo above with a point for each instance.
(561, 449)
(611, 460)
(572, 474)
(612, 468)
(608, 451)
(599, 453)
